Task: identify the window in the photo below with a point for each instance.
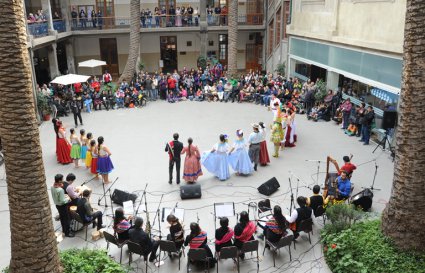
(222, 48)
(106, 7)
(278, 26)
(271, 37)
(286, 19)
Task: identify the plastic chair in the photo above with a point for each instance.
(113, 240)
(76, 217)
(198, 255)
(249, 247)
(170, 247)
(136, 249)
(274, 247)
(305, 226)
(229, 252)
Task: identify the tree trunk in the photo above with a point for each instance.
(134, 49)
(233, 38)
(403, 219)
(33, 241)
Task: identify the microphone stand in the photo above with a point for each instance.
(87, 181)
(157, 216)
(374, 177)
(292, 196)
(104, 193)
(141, 199)
(318, 168)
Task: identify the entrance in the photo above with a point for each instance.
(61, 55)
(317, 73)
(168, 53)
(109, 54)
(41, 66)
(253, 57)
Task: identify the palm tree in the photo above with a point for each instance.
(233, 38)
(403, 219)
(33, 241)
(134, 50)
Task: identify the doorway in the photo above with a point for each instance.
(62, 59)
(109, 54)
(168, 53)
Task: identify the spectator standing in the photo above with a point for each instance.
(367, 122)
(74, 16)
(83, 18)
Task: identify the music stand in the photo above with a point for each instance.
(178, 212)
(223, 210)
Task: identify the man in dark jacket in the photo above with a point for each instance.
(174, 149)
(366, 122)
(76, 110)
(309, 100)
(139, 236)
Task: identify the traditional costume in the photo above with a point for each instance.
(75, 149)
(277, 135)
(254, 141)
(94, 161)
(245, 234)
(264, 153)
(192, 165)
(216, 162)
(239, 158)
(83, 147)
(290, 136)
(63, 147)
(104, 163)
(88, 159)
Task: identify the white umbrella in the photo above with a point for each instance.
(91, 63)
(70, 79)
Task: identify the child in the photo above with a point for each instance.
(83, 140)
(76, 147)
(88, 152)
(94, 155)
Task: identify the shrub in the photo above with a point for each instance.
(342, 216)
(89, 261)
(363, 248)
(281, 69)
(320, 90)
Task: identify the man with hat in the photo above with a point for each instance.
(254, 141)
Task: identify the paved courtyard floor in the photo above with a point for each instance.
(137, 137)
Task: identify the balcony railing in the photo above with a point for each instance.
(59, 25)
(38, 29)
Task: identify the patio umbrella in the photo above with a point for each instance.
(91, 63)
(70, 79)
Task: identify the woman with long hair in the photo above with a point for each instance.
(83, 141)
(94, 156)
(264, 153)
(63, 147)
(216, 161)
(76, 147)
(223, 235)
(192, 165)
(121, 224)
(176, 231)
(104, 163)
(244, 231)
(275, 227)
(239, 157)
(88, 159)
(198, 239)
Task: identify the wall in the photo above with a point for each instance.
(373, 24)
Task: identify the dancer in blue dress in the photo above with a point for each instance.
(238, 156)
(216, 161)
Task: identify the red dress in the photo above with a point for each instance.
(192, 165)
(93, 168)
(264, 153)
(63, 148)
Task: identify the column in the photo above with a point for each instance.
(70, 56)
(45, 5)
(332, 80)
(65, 13)
(53, 61)
(204, 27)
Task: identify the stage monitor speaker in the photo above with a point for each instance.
(389, 119)
(269, 187)
(119, 196)
(363, 199)
(190, 191)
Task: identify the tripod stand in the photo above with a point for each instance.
(374, 177)
(384, 143)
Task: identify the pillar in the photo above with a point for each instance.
(69, 47)
(45, 5)
(53, 61)
(332, 80)
(65, 13)
(204, 27)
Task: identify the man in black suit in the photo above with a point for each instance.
(174, 149)
(139, 236)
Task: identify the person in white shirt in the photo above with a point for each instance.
(274, 104)
(254, 141)
(300, 214)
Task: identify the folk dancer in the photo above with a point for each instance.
(174, 149)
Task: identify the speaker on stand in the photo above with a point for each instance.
(389, 121)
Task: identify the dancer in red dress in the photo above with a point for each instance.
(192, 165)
(63, 147)
(264, 153)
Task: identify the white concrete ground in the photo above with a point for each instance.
(137, 138)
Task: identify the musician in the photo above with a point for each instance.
(87, 213)
(176, 231)
(72, 192)
(316, 200)
(223, 235)
(174, 149)
(58, 196)
(343, 186)
(139, 236)
(348, 166)
(198, 239)
(244, 231)
(300, 214)
(275, 228)
(122, 224)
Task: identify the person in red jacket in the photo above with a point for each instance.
(171, 84)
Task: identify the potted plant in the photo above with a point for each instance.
(43, 106)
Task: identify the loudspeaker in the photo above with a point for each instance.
(119, 196)
(269, 187)
(389, 120)
(363, 199)
(190, 191)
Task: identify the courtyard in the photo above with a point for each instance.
(137, 138)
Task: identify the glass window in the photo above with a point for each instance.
(278, 26)
(271, 37)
